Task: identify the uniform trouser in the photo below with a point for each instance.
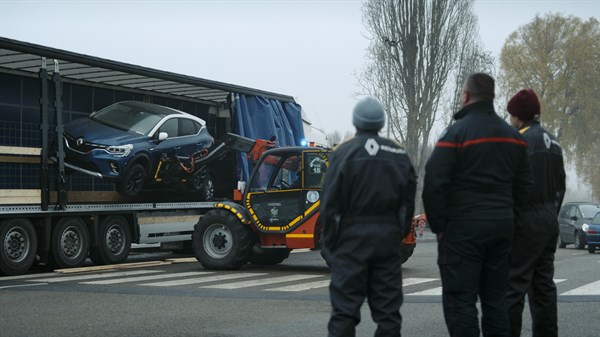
(365, 263)
(532, 272)
(473, 260)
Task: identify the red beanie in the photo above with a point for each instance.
(524, 105)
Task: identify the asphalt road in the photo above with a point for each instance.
(162, 294)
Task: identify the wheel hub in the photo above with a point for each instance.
(114, 240)
(219, 241)
(71, 242)
(16, 245)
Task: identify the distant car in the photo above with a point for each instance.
(593, 234)
(135, 143)
(574, 221)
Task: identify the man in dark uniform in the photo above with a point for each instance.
(532, 256)
(366, 209)
(476, 180)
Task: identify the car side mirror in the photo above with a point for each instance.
(162, 136)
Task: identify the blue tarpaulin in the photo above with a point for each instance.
(260, 118)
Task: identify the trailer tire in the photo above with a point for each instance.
(268, 256)
(70, 243)
(132, 181)
(114, 241)
(221, 241)
(19, 246)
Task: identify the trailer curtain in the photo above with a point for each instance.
(257, 117)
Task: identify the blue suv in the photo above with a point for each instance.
(136, 143)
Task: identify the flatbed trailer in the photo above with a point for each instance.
(50, 218)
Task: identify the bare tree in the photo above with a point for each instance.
(413, 54)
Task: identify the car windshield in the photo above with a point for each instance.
(589, 211)
(128, 117)
(596, 220)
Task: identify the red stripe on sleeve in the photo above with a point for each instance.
(482, 141)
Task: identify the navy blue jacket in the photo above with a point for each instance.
(370, 179)
(478, 170)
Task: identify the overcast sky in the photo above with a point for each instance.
(307, 49)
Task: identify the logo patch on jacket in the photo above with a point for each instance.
(372, 147)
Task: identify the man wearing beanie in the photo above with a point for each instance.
(532, 256)
(366, 208)
(476, 179)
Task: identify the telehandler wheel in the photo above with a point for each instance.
(70, 243)
(221, 241)
(268, 256)
(114, 241)
(18, 246)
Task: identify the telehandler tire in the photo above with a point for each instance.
(268, 256)
(221, 241)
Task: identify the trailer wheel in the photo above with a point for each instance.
(132, 181)
(114, 241)
(19, 246)
(268, 256)
(70, 243)
(221, 241)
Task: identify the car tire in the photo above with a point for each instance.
(268, 256)
(70, 243)
(18, 246)
(591, 249)
(114, 241)
(132, 182)
(206, 188)
(221, 241)
(579, 244)
(561, 244)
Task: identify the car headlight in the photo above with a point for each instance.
(585, 227)
(120, 150)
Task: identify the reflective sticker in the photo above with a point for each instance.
(274, 214)
(312, 196)
(372, 147)
(547, 140)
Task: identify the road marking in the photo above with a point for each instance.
(24, 285)
(244, 284)
(301, 250)
(302, 287)
(20, 277)
(429, 292)
(412, 281)
(110, 267)
(202, 279)
(94, 276)
(147, 277)
(559, 280)
(588, 289)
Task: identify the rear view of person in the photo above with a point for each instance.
(367, 206)
(532, 256)
(476, 180)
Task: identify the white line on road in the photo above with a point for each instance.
(95, 276)
(244, 284)
(588, 289)
(202, 279)
(429, 292)
(147, 277)
(304, 286)
(24, 285)
(301, 250)
(412, 281)
(20, 277)
(559, 280)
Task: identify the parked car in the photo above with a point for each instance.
(574, 221)
(593, 234)
(136, 143)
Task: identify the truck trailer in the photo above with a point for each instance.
(54, 218)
